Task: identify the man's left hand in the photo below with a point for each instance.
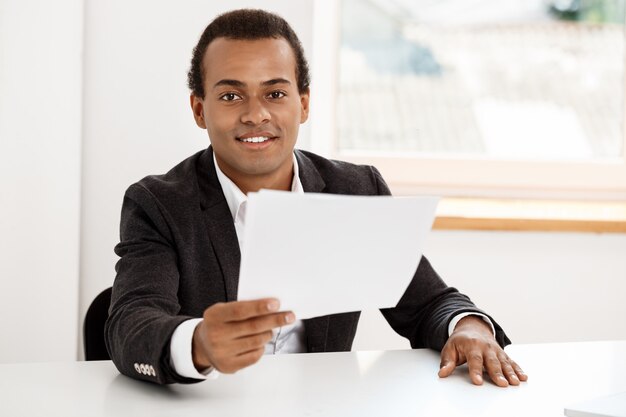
(473, 342)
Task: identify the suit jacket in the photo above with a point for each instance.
(179, 254)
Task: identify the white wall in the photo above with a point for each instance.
(40, 120)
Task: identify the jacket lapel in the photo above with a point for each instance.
(219, 223)
(312, 181)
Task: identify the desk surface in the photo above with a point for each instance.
(390, 383)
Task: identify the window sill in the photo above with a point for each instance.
(530, 215)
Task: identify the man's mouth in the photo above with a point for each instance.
(255, 139)
(258, 140)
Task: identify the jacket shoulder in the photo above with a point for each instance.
(343, 177)
(177, 185)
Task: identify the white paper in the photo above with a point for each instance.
(323, 254)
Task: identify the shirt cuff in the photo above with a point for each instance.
(180, 352)
(456, 319)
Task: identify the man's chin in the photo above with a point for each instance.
(254, 164)
(259, 169)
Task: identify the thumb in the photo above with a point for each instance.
(448, 362)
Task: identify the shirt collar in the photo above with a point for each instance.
(235, 197)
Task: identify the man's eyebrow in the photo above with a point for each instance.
(239, 84)
(232, 83)
(275, 81)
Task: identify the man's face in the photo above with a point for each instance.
(252, 109)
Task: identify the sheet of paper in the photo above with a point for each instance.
(323, 254)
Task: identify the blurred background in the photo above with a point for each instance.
(465, 98)
(501, 79)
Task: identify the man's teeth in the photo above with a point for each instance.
(257, 139)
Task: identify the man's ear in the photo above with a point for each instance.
(304, 104)
(197, 107)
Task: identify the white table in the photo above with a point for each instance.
(385, 383)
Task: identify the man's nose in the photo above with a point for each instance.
(255, 112)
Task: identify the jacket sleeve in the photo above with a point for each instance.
(144, 304)
(428, 305)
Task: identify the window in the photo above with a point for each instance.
(505, 98)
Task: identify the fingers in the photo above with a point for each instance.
(518, 371)
(501, 369)
(242, 361)
(475, 365)
(233, 335)
(507, 369)
(260, 324)
(494, 369)
(242, 310)
(249, 343)
(449, 360)
(224, 352)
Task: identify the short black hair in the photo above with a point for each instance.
(246, 24)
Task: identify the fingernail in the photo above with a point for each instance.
(273, 305)
(289, 317)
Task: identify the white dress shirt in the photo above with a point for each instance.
(287, 339)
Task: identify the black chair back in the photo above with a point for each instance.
(93, 328)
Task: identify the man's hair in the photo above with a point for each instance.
(246, 24)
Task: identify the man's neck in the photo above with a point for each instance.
(250, 184)
(280, 180)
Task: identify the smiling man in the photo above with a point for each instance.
(174, 316)
(252, 108)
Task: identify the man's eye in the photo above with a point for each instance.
(229, 97)
(277, 94)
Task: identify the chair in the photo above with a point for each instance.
(93, 327)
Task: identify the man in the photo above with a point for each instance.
(174, 315)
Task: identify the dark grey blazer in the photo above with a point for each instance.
(179, 255)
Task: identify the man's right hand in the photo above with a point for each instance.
(233, 335)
